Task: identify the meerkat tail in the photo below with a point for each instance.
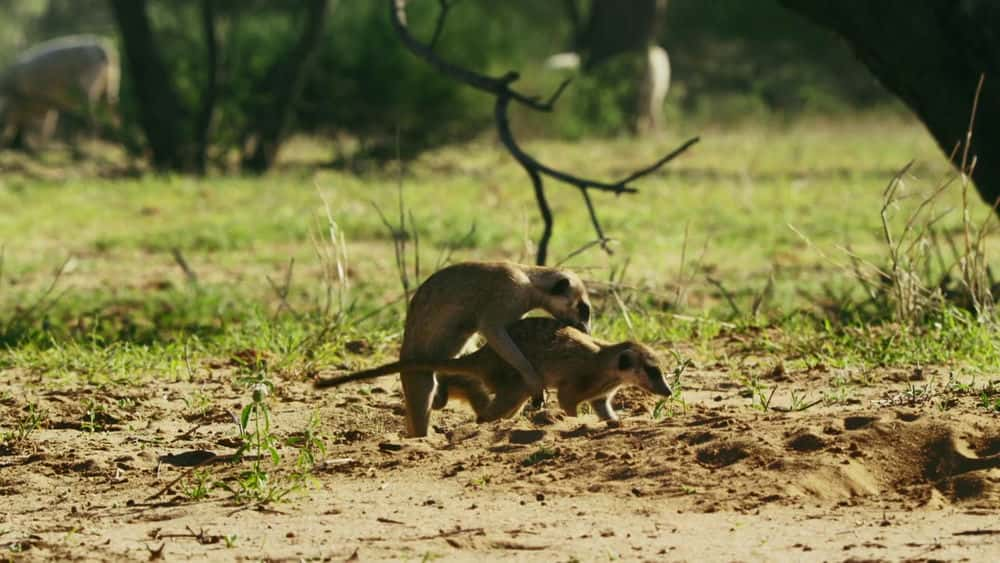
(372, 373)
(453, 366)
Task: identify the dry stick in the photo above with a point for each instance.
(416, 247)
(726, 294)
(282, 291)
(681, 284)
(501, 89)
(455, 532)
(446, 254)
(594, 284)
(581, 250)
(398, 246)
(760, 298)
(965, 159)
(34, 307)
(191, 276)
(213, 459)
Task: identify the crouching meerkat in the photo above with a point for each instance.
(578, 367)
(460, 300)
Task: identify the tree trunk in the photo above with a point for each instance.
(284, 83)
(203, 126)
(615, 27)
(160, 111)
(930, 54)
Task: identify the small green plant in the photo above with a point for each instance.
(758, 394)
(801, 402)
(198, 402)
(675, 404)
(230, 540)
(670, 406)
(990, 402)
(126, 404)
(260, 444)
(840, 392)
(198, 486)
(24, 427)
(482, 481)
(541, 454)
(255, 428)
(94, 413)
(309, 445)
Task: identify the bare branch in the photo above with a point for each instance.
(442, 16)
(500, 88)
(621, 186)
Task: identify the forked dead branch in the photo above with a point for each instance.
(500, 88)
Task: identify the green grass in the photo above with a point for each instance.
(123, 311)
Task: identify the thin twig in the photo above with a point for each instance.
(582, 249)
(191, 276)
(726, 294)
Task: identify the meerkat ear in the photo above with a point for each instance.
(625, 361)
(561, 287)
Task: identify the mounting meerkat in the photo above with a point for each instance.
(457, 301)
(579, 367)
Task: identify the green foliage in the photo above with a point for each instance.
(732, 61)
(24, 426)
(258, 484)
(122, 312)
(541, 454)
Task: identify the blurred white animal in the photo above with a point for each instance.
(70, 74)
(563, 61)
(653, 90)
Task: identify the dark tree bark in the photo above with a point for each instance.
(931, 54)
(615, 27)
(161, 113)
(203, 126)
(283, 83)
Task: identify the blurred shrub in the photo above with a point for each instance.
(731, 59)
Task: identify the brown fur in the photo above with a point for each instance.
(463, 299)
(580, 368)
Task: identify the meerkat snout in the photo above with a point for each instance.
(640, 367)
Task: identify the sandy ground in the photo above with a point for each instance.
(882, 476)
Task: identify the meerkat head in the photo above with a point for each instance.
(638, 365)
(564, 296)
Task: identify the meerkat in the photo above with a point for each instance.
(458, 301)
(579, 367)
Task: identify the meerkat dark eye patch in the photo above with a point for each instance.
(561, 287)
(625, 361)
(583, 310)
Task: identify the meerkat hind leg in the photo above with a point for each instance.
(442, 393)
(568, 401)
(505, 404)
(603, 409)
(468, 388)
